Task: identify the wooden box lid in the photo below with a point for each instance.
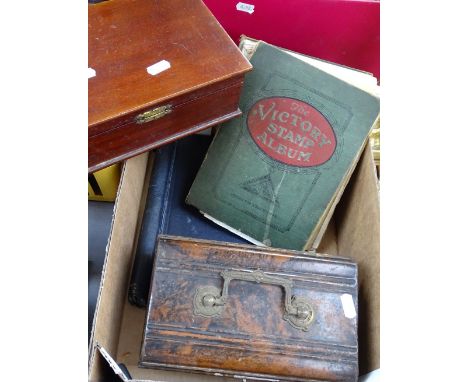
(126, 37)
(257, 312)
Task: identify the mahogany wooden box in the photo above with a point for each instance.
(251, 312)
(158, 71)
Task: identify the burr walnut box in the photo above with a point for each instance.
(251, 312)
(157, 71)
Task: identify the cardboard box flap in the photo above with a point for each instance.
(358, 237)
(117, 262)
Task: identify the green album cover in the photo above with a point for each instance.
(271, 173)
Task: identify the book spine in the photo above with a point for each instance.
(152, 224)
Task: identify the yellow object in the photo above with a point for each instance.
(103, 184)
(375, 143)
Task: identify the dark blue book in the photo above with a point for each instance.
(174, 170)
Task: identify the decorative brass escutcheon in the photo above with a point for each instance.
(153, 114)
(209, 300)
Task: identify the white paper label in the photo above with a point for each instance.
(249, 8)
(348, 305)
(91, 73)
(159, 67)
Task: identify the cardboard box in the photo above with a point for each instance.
(354, 231)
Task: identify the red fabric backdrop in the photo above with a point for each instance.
(342, 31)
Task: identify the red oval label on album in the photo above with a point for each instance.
(291, 131)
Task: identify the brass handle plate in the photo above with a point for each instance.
(209, 301)
(153, 114)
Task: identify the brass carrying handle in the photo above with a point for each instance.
(209, 301)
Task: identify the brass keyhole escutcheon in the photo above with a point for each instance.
(152, 115)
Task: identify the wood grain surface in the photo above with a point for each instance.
(131, 139)
(125, 37)
(250, 337)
